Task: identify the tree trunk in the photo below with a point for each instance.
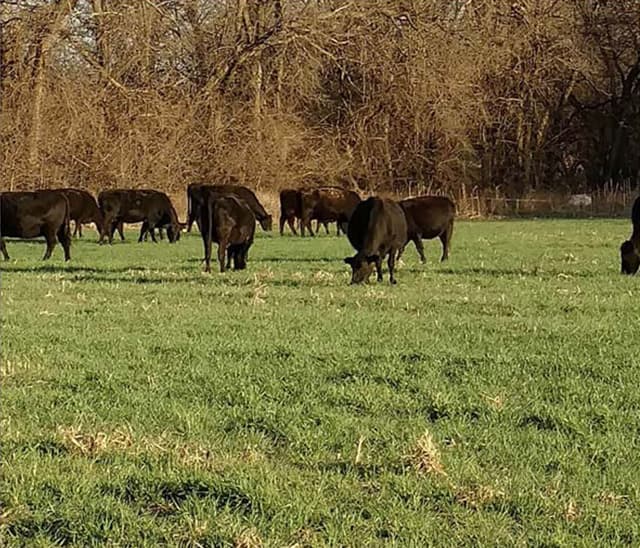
(50, 31)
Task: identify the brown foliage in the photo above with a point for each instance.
(394, 95)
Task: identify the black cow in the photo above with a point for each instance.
(429, 217)
(327, 205)
(152, 208)
(231, 223)
(630, 250)
(195, 201)
(32, 214)
(83, 209)
(377, 228)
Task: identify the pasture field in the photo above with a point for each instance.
(490, 400)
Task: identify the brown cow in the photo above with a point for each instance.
(630, 250)
(327, 204)
(32, 214)
(290, 208)
(429, 217)
(231, 223)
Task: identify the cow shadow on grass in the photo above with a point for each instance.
(519, 272)
(302, 259)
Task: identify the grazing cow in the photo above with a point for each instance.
(231, 223)
(429, 217)
(83, 209)
(290, 208)
(194, 202)
(377, 228)
(327, 205)
(150, 207)
(32, 214)
(630, 250)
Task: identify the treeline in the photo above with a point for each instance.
(407, 95)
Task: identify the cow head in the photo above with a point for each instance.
(361, 268)
(266, 223)
(173, 232)
(629, 258)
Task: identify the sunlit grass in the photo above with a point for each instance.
(492, 399)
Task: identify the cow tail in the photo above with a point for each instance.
(67, 218)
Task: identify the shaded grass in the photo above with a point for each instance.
(489, 400)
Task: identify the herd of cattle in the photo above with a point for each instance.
(226, 214)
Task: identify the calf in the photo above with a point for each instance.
(32, 214)
(150, 207)
(195, 201)
(327, 204)
(630, 250)
(290, 208)
(231, 223)
(83, 209)
(429, 217)
(377, 228)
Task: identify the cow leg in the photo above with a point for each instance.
(338, 228)
(281, 224)
(3, 249)
(379, 267)
(420, 247)
(120, 228)
(445, 238)
(222, 252)
(326, 228)
(292, 225)
(152, 231)
(311, 233)
(76, 229)
(144, 230)
(50, 236)
(64, 237)
(112, 230)
(231, 254)
(391, 263)
(160, 233)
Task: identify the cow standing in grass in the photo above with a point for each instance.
(377, 229)
(290, 209)
(327, 205)
(152, 208)
(630, 250)
(30, 215)
(230, 222)
(83, 209)
(195, 200)
(429, 217)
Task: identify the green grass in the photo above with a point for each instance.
(494, 399)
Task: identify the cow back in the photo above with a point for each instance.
(428, 215)
(376, 226)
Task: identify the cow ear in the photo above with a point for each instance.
(348, 260)
(372, 259)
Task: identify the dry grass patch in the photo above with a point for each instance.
(571, 511)
(425, 456)
(611, 499)
(477, 496)
(249, 538)
(123, 440)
